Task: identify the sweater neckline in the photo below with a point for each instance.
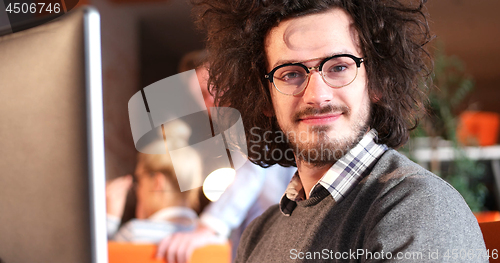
(316, 198)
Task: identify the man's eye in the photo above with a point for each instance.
(337, 68)
(290, 76)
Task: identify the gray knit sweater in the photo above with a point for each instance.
(400, 212)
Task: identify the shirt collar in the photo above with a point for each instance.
(342, 177)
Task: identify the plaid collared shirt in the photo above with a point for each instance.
(342, 177)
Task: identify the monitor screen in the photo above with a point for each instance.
(51, 136)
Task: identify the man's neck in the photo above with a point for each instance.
(310, 175)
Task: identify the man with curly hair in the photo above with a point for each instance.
(333, 87)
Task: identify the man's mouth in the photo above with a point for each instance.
(320, 119)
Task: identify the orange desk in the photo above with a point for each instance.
(145, 253)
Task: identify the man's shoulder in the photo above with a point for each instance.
(395, 180)
(402, 203)
(396, 170)
(399, 185)
(393, 162)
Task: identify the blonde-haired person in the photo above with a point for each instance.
(162, 209)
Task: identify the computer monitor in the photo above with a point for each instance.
(52, 181)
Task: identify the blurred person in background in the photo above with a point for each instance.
(253, 190)
(161, 209)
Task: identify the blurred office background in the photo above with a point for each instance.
(143, 41)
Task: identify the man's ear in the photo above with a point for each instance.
(375, 96)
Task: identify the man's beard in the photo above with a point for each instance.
(321, 150)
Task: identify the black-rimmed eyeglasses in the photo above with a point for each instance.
(337, 71)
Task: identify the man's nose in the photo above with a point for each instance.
(317, 92)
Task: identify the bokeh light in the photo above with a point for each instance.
(216, 183)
